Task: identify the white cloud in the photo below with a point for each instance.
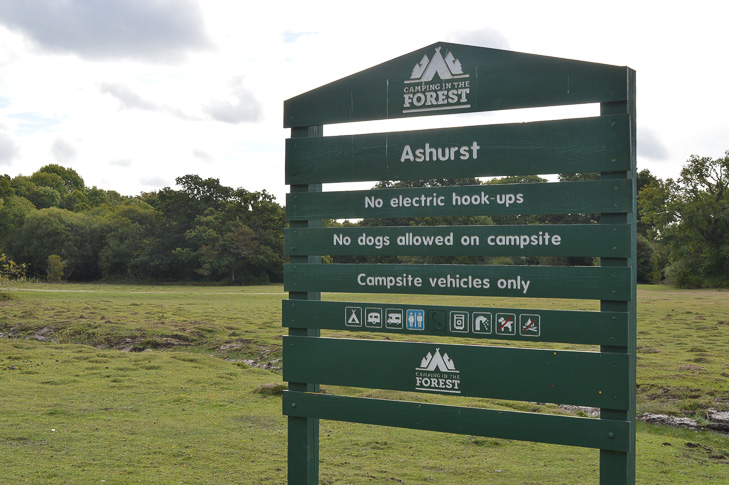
(203, 156)
(122, 162)
(244, 107)
(8, 149)
(33, 122)
(483, 37)
(290, 36)
(650, 145)
(148, 30)
(154, 181)
(63, 152)
(129, 99)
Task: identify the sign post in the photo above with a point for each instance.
(450, 79)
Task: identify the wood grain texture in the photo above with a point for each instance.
(542, 428)
(526, 240)
(475, 200)
(561, 377)
(546, 147)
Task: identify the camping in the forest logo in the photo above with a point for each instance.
(437, 83)
(437, 373)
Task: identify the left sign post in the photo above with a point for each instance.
(303, 433)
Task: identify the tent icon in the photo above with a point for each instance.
(353, 316)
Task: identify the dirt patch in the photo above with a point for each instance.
(235, 345)
(273, 365)
(271, 389)
(45, 334)
(670, 421)
(719, 420)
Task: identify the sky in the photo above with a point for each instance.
(134, 93)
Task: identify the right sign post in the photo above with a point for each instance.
(451, 79)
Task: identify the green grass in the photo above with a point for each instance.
(182, 413)
(244, 321)
(75, 414)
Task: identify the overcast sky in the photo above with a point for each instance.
(133, 93)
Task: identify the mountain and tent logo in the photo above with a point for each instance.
(447, 67)
(432, 362)
(437, 373)
(437, 83)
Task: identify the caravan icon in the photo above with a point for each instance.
(373, 317)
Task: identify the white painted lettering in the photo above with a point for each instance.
(428, 153)
(372, 201)
(407, 154)
(340, 239)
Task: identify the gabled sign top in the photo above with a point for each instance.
(455, 78)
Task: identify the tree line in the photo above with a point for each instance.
(55, 227)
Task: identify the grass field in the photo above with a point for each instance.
(201, 405)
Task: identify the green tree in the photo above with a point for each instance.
(227, 249)
(44, 197)
(96, 197)
(243, 238)
(131, 228)
(56, 265)
(204, 216)
(12, 217)
(645, 179)
(70, 179)
(10, 269)
(50, 180)
(77, 238)
(170, 254)
(6, 187)
(651, 253)
(691, 216)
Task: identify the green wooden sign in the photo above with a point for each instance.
(542, 428)
(476, 200)
(526, 240)
(569, 377)
(595, 144)
(593, 282)
(492, 323)
(450, 79)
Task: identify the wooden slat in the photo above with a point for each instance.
(576, 327)
(525, 240)
(561, 377)
(541, 428)
(547, 147)
(518, 281)
(477, 200)
(495, 80)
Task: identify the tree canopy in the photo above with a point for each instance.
(202, 231)
(690, 218)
